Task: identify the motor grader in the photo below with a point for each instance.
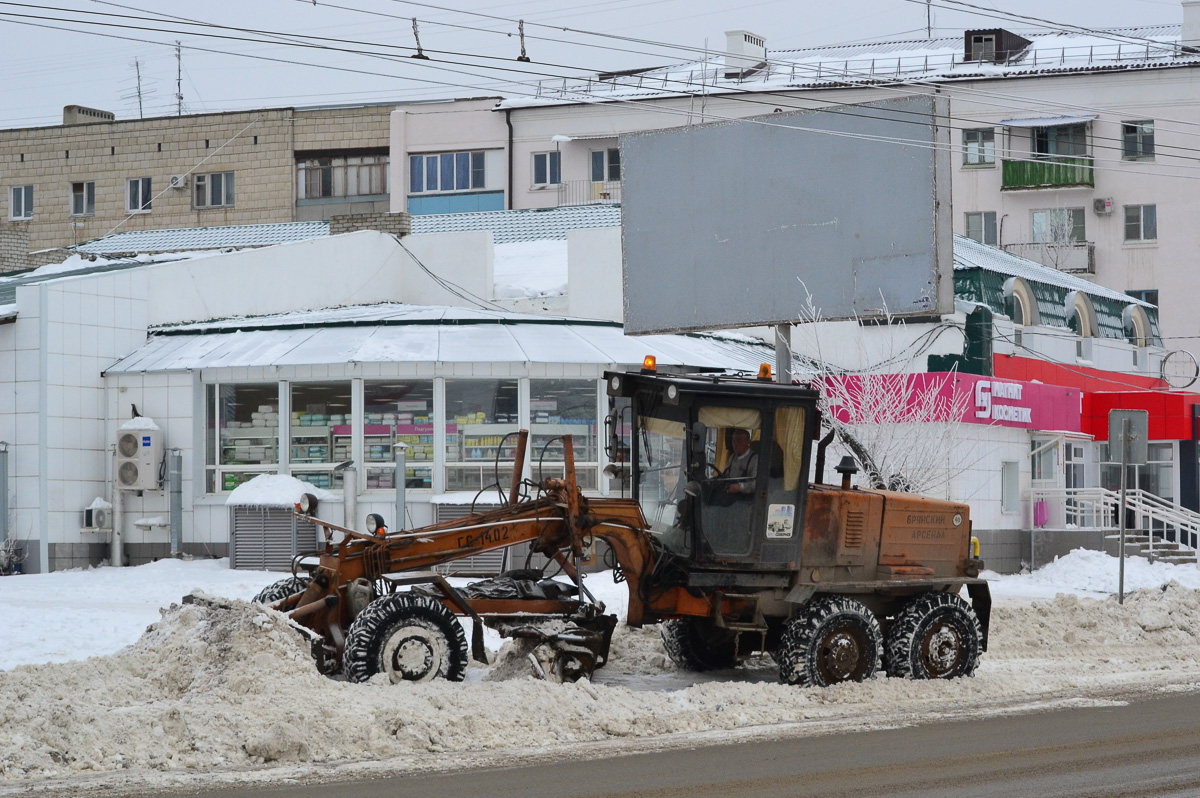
(830, 580)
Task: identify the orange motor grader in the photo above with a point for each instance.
(723, 542)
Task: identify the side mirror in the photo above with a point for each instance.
(697, 441)
(611, 442)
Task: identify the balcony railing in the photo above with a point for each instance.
(589, 192)
(1050, 173)
(1076, 257)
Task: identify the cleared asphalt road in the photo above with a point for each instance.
(1148, 748)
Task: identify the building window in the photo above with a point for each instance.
(983, 47)
(1010, 487)
(139, 195)
(243, 433)
(1063, 141)
(1146, 295)
(395, 411)
(606, 165)
(83, 198)
(546, 169)
(323, 177)
(22, 203)
(1137, 141)
(214, 190)
(564, 407)
(320, 431)
(1141, 222)
(981, 227)
(446, 171)
(1059, 226)
(979, 146)
(482, 420)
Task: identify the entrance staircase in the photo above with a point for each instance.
(1155, 528)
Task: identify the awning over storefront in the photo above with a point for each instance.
(391, 333)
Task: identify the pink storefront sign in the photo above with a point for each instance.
(945, 396)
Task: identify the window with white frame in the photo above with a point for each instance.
(1010, 487)
(140, 195)
(341, 175)
(981, 227)
(1141, 222)
(979, 146)
(444, 172)
(1059, 226)
(1137, 141)
(546, 171)
(606, 165)
(83, 198)
(214, 190)
(21, 206)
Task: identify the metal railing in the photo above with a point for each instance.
(1076, 257)
(1097, 508)
(589, 192)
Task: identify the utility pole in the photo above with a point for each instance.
(928, 19)
(178, 78)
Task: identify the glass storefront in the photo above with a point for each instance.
(398, 412)
(482, 419)
(245, 438)
(320, 431)
(558, 408)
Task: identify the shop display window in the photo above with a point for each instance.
(318, 409)
(481, 424)
(395, 411)
(558, 408)
(243, 439)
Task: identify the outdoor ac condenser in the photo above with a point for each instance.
(1102, 205)
(139, 458)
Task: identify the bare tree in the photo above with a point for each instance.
(901, 426)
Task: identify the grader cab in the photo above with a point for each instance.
(724, 542)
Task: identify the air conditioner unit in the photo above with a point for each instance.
(179, 181)
(1102, 205)
(97, 518)
(139, 458)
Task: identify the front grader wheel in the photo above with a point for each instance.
(411, 638)
(280, 590)
(834, 639)
(695, 645)
(935, 636)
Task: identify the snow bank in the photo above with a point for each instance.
(530, 269)
(139, 422)
(228, 686)
(274, 490)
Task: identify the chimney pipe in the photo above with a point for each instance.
(745, 52)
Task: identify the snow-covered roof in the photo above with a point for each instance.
(425, 334)
(181, 239)
(532, 224)
(969, 254)
(881, 62)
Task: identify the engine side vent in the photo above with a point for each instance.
(855, 527)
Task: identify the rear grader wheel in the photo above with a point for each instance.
(411, 638)
(935, 636)
(834, 639)
(280, 590)
(695, 645)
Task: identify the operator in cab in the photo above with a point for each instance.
(743, 465)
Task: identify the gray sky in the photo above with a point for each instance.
(46, 69)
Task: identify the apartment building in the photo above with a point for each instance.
(95, 174)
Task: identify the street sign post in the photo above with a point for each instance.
(1128, 431)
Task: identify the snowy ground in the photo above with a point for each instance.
(208, 695)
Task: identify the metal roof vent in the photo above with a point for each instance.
(745, 53)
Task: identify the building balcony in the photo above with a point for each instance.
(1049, 173)
(1076, 257)
(589, 192)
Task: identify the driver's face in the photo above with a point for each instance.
(741, 442)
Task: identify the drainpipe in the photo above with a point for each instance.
(508, 201)
(350, 497)
(176, 469)
(3, 490)
(401, 485)
(116, 549)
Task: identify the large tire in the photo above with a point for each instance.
(935, 636)
(409, 637)
(280, 590)
(694, 644)
(834, 639)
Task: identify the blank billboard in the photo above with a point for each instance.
(733, 224)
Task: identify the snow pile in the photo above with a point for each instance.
(139, 422)
(274, 490)
(1089, 572)
(530, 269)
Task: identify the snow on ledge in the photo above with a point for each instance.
(274, 490)
(141, 422)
